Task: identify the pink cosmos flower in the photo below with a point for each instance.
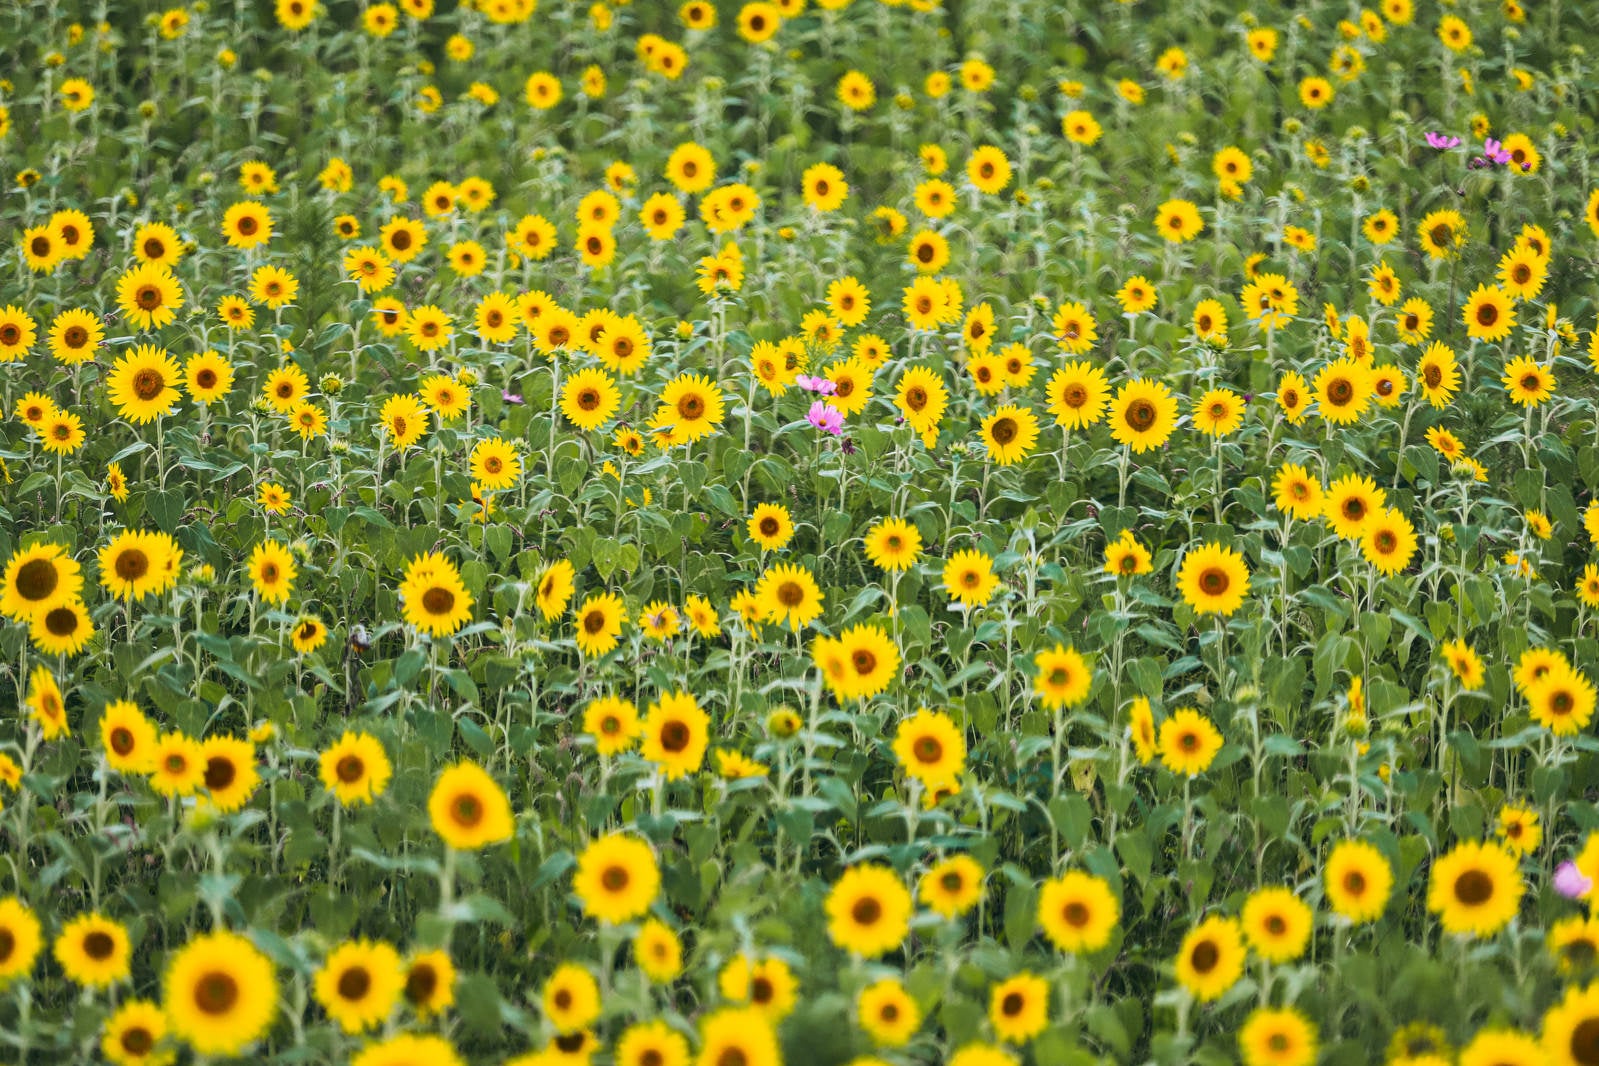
(826, 417)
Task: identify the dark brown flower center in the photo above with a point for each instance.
(216, 993)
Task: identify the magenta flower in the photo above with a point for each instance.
(826, 417)
(1495, 151)
(1570, 882)
(816, 384)
(1442, 141)
(510, 397)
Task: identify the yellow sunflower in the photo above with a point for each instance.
(355, 768)
(676, 733)
(360, 984)
(468, 809)
(1213, 580)
(1078, 912)
(868, 911)
(1143, 415)
(94, 951)
(1211, 958)
(219, 993)
(617, 879)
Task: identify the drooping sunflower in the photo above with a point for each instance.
(220, 994)
(676, 733)
(1277, 923)
(789, 596)
(1213, 579)
(969, 578)
(599, 624)
(359, 984)
(143, 384)
(1476, 889)
(468, 809)
(132, 1036)
(429, 985)
(1188, 742)
(1064, 677)
(1141, 730)
(1010, 433)
(1211, 958)
(1358, 881)
(868, 911)
(893, 544)
(128, 737)
(38, 578)
(1078, 912)
(617, 879)
(355, 768)
(1143, 415)
(434, 598)
(553, 590)
(19, 939)
(930, 747)
(46, 705)
(1277, 1037)
(1349, 504)
(149, 295)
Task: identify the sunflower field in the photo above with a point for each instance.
(811, 532)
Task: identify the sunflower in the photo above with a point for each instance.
(143, 384)
(1218, 412)
(789, 596)
(676, 733)
(405, 419)
(1188, 742)
(1573, 944)
(1296, 492)
(308, 634)
(893, 544)
(599, 624)
(868, 911)
(1465, 664)
(1211, 958)
(1064, 678)
(571, 1000)
(1018, 1008)
(128, 737)
(859, 664)
(1143, 415)
(1535, 664)
(207, 376)
(433, 596)
(46, 705)
(19, 939)
(219, 993)
(38, 578)
(1293, 397)
(308, 420)
(1571, 1028)
(247, 225)
(658, 951)
(403, 239)
(73, 230)
(1350, 503)
(887, 1013)
(1076, 332)
(1489, 314)
(468, 809)
(1475, 889)
(285, 387)
(355, 768)
(613, 723)
(928, 252)
(739, 1035)
(770, 526)
(1010, 433)
(617, 880)
(94, 951)
(132, 1035)
(659, 620)
(62, 433)
(359, 984)
(149, 295)
(930, 747)
(74, 336)
(495, 464)
(1213, 579)
(408, 1051)
(768, 984)
(1522, 272)
(1178, 221)
(177, 766)
(63, 629)
(988, 170)
(554, 589)
(1358, 881)
(969, 578)
(952, 886)
(1528, 382)
(1502, 1047)
(1078, 912)
(694, 405)
(1343, 388)
(42, 248)
(1562, 701)
(590, 398)
(230, 772)
(1141, 729)
(272, 571)
(428, 328)
(429, 983)
(1277, 1037)
(1415, 321)
(1277, 924)
(921, 397)
(1137, 295)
